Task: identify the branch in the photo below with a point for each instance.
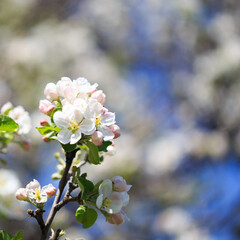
(56, 234)
(38, 215)
(69, 158)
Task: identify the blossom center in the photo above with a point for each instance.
(107, 202)
(98, 120)
(37, 194)
(73, 126)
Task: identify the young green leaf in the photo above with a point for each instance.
(8, 124)
(18, 236)
(69, 147)
(86, 216)
(93, 153)
(103, 147)
(5, 236)
(88, 185)
(47, 129)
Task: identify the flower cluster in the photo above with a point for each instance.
(33, 193)
(22, 118)
(77, 109)
(112, 197)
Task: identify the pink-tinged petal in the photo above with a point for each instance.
(108, 119)
(75, 137)
(99, 201)
(61, 120)
(119, 184)
(105, 188)
(107, 133)
(33, 185)
(87, 126)
(117, 219)
(97, 138)
(117, 202)
(64, 136)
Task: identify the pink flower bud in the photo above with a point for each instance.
(115, 130)
(51, 92)
(97, 138)
(45, 139)
(44, 122)
(26, 145)
(21, 194)
(99, 96)
(117, 218)
(120, 185)
(51, 191)
(111, 150)
(46, 107)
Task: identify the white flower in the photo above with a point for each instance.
(108, 200)
(6, 107)
(22, 118)
(84, 86)
(102, 118)
(51, 92)
(66, 89)
(38, 194)
(72, 122)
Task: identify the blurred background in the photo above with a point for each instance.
(171, 72)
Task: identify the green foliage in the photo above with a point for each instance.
(86, 216)
(8, 124)
(68, 147)
(6, 236)
(47, 129)
(85, 185)
(103, 147)
(93, 156)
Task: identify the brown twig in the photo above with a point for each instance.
(38, 214)
(69, 158)
(56, 234)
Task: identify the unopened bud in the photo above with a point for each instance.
(97, 138)
(115, 130)
(99, 96)
(46, 107)
(120, 185)
(44, 122)
(21, 194)
(51, 92)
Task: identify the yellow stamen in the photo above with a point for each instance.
(37, 194)
(98, 120)
(107, 202)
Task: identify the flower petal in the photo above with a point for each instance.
(75, 137)
(64, 136)
(125, 198)
(61, 120)
(99, 201)
(87, 126)
(105, 188)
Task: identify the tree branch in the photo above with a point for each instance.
(69, 158)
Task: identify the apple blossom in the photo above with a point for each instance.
(21, 194)
(51, 92)
(115, 130)
(83, 86)
(99, 96)
(120, 185)
(7, 106)
(46, 107)
(102, 119)
(38, 194)
(66, 89)
(97, 138)
(108, 200)
(73, 123)
(21, 117)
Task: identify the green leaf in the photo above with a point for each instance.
(5, 236)
(96, 186)
(47, 129)
(68, 147)
(88, 185)
(8, 124)
(103, 147)
(93, 156)
(18, 236)
(86, 216)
